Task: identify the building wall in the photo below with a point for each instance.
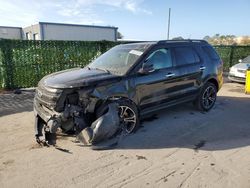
(58, 31)
(32, 32)
(10, 32)
(77, 32)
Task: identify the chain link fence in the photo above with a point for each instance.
(24, 62)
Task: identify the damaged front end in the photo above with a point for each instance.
(73, 110)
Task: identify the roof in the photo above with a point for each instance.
(10, 27)
(140, 43)
(188, 41)
(78, 25)
(182, 41)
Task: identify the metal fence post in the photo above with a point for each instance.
(231, 55)
(1, 67)
(7, 61)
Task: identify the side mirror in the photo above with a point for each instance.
(146, 68)
(240, 60)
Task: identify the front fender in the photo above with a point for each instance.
(122, 89)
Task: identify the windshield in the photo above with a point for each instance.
(246, 60)
(119, 59)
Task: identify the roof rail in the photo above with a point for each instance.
(184, 40)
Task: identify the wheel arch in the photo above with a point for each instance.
(101, 102)
(213, 81)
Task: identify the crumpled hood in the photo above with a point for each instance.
(77, 77)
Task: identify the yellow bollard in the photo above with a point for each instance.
(247, 87)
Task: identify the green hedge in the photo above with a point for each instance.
(24, 62)
(231, 54)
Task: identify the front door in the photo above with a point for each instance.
(155, 88)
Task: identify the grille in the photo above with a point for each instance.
(47, 96)
(241, 71)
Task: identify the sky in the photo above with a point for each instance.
(136, 19)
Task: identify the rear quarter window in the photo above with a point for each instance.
(185, 55)
(210, 52)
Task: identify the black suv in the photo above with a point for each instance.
(140, 77)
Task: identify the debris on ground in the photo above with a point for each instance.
(8, 162)
(17, 91)
(63, 150)
(165, 178)
(141, 157)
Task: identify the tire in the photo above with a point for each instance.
(128, 113)
(207, 97)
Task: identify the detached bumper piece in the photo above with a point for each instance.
(103, 128)
(43, 138)
(46, 133)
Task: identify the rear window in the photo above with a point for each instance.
(210, 52)
(185, 55)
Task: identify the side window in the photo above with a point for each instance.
(160, 59)
(185, 55)
(210, 52)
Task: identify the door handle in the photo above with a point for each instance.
(202, 68)
(169, 75)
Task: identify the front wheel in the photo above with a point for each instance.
(128, 113)
(207, 97)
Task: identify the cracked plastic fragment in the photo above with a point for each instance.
(105, 127)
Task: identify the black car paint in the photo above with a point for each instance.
(149, 92)
(154, 91)
(77, 77)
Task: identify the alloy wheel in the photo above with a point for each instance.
(129, 118)
(209, 97)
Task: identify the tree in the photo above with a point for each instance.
(245, 40)
(218, 39)
(207, 38)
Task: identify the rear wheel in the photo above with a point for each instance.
(207, 97)
(128, 113)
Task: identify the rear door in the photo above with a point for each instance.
(190, 69)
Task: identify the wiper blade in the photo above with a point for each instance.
(105, 70)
